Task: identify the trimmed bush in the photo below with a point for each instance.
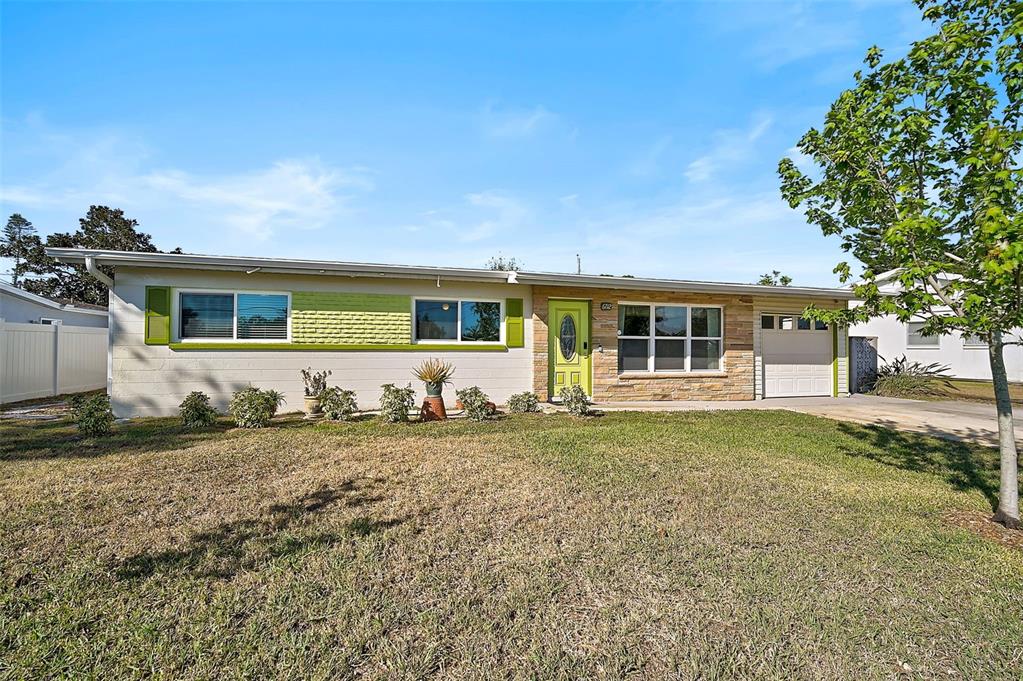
(254, 408)
(338, 404)
(575, 400)
(396, 402)
(92, 415)
(523, 403)
(196, 411)
(476, 404)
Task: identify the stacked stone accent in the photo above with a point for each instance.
(350, 318)
(735, 382)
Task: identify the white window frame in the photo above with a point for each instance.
(981, 345)
(51, 321)
(687, 339)
(176, 316)
(458, 321)
(932, 346)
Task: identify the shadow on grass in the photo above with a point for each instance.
(23, 440)
(234, 546)
(965, 466)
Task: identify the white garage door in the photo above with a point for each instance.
(796, 357)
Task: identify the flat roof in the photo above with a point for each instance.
(252, 265)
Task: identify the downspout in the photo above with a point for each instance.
(99, 275)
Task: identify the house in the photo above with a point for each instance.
(49, 347)
(184, 322)
(21, 307)
(965, 356)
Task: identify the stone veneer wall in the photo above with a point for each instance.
(734, 383)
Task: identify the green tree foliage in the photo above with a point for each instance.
(774, 278)
(16, 244)
(918, 169)
(503, 264)
(102, 228)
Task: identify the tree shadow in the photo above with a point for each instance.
(239, 545)
(965, 466)
(23, 440)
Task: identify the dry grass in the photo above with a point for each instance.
(978, 391)
(721, 545)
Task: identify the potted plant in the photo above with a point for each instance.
(434, 373)
(315, 383)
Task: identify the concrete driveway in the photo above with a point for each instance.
(965, 421)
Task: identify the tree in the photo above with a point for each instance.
(102, 228)
(16, 243)
(918, 166)
(774, 278)
(502, 264)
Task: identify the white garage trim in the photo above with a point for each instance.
(825, 373)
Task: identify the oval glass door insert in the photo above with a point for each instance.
(567, 337)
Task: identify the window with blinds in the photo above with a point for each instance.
(241, 316)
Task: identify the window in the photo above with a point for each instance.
(972, 340)
(49, 321)
(673, 338)
(788, 322)
(916, 339)
(233, 316)
(465, 321)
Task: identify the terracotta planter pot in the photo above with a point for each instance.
(433, 409)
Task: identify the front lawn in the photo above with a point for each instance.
(745, 543)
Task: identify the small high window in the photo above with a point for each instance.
(915, 337)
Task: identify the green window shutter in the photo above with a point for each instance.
(515, 328)
(158, 305)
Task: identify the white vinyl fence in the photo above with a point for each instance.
(41, 360)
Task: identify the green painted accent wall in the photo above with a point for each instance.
(834, 360)
(328, 318)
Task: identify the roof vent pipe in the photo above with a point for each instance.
(99, 275)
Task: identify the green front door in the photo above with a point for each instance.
(568, 345)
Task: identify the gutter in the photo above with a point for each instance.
(99, 275)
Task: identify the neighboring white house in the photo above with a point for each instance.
(49, 347)
(966, 357)
(22, 307)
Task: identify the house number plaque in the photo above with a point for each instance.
(605, 307)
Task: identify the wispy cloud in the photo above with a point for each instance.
(301, 193)
(294, 194)
(514, 122)
(648, 162)
(730, 146)
(504, 213)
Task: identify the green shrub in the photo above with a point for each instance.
(253, 408)
(196, 411)
(338, 404)
(902, 378)
(575, 400)
(396, 402)
(523, 403)
(92, 415)
(476, 404)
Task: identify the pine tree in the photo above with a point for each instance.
(16, 243)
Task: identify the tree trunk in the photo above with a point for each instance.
(1008, 491)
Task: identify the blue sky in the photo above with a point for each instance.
(644, 137)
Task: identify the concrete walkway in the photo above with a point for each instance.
(965, 421)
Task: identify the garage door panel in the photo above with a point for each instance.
(797, 363)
